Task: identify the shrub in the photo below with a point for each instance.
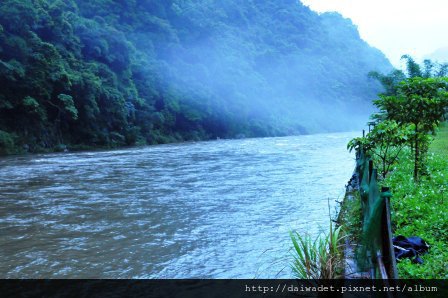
(7, 144)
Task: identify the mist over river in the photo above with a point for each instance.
(218, 209)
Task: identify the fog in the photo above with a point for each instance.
(276, 67)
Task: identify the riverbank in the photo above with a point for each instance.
(422, 209)
(26, 149)
(350, 218)
(416, 210)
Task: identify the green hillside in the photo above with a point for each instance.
(105, 73)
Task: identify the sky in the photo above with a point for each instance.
(396, 27)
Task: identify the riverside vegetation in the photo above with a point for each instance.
(411, 145)
(320, 258)
(413, 162)
(84, 74)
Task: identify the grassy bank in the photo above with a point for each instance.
(422, 209)
(350, 216)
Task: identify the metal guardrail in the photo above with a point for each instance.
(377, 230)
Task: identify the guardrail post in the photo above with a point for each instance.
(370, 169)
(387, 246)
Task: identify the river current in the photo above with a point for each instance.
(217, 209)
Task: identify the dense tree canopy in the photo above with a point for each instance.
(420, 104)
(411, 107)
(113, 73)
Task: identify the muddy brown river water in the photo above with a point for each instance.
(218, 209)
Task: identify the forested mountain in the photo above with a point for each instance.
(110, 73)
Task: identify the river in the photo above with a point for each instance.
(217, 209)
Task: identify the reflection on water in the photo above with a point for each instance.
(219, 209)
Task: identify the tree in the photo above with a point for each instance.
(420, 103)
(390, 81)
(413, 69)
(385, 142)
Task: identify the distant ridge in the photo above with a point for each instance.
(440, 55)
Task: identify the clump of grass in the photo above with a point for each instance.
(350, 216)
(321, 258)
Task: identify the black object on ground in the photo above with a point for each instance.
(411, 247)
